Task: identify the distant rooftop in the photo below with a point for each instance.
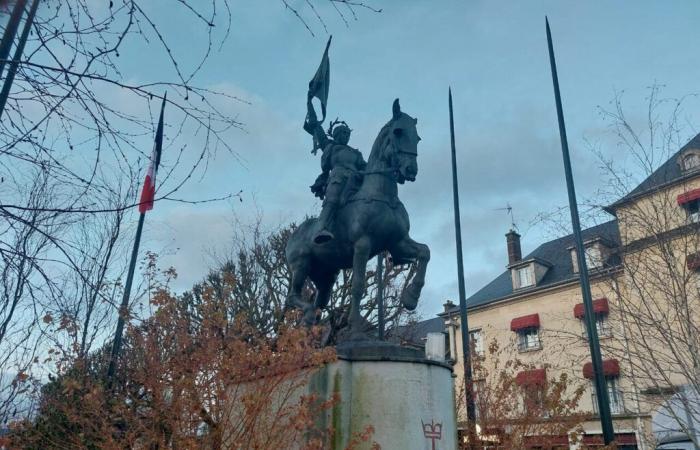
(558, 254)
(414, 333)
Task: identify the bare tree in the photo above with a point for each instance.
(75, 134)
(657, 289)
(258, 265)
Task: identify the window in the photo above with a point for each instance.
(528, 339)
(617, 405)
(533, 400)
(692, 208)
(593, 257)
(476, 342)
(602, 326)
(691, 161)
(525, 277)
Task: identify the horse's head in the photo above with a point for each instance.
(401, 150)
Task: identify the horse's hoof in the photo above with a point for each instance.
(409, 299)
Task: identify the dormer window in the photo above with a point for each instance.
(525, 276)
(594, 258)
(528, 273)
(690, 160)
(597, 252)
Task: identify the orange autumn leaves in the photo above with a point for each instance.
(193, 377)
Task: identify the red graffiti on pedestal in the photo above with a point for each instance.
(432, 431)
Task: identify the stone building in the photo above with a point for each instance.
(642, 265)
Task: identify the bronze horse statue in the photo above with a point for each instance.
(373, 220)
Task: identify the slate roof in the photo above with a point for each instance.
(557, 252)
(554, 252)
(667, 173)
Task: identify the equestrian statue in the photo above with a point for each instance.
(361, 215)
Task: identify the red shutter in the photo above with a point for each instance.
(688, 196)
(600, 306)
(546, 441)
(611, 368)
(531, 377)
(529, 321)
(693, 261)
(626, 439)
(620, 439)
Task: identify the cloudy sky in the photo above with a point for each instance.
(494, 56)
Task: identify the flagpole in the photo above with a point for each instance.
(145, 205)
(593, 342)
(466, 350)
(124, 308)
(12, 71)
(9, 36)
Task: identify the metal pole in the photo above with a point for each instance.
(9, 36)
(124, 308)
(145, 205)
(12, 71)
(380, 296)
(594, 344)
(466, 351)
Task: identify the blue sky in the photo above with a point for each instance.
(494, 56)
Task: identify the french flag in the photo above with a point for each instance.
(148, 192)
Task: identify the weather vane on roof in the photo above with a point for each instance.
(509, 210)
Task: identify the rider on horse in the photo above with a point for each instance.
(341, 169)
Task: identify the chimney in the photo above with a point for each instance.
(513, 243)
(448, 305)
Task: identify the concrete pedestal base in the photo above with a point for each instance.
(408, 399)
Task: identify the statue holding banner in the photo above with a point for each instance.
(362, 214)
(341, 165)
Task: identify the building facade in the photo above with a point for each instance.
(643, 268)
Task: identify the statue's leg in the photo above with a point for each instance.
(408, 249)
(325, 223)
(330, 204)
(362, 249)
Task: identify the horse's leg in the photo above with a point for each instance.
(410, 249)
(300, 270)
(362, 249)
(324, 288)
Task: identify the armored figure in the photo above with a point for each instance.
(341, 169)
(362, 215)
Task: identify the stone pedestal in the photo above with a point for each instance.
(408, 399)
